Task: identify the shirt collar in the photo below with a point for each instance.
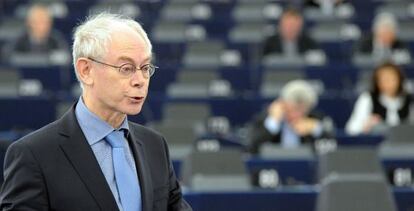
(94, 128)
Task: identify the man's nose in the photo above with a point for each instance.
(138, 79)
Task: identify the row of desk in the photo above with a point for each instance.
(301, 198)
(298, 188)
(34, 112)
(301, 171)
(243, 77)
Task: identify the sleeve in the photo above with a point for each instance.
(318, 130)
(16, 46)
(364, 46)
(360, 115)
(269, 46)
(59, 41)
(176, 201)
(311, 44)
(401, 45)
(23, 187)
(272, 125)
(410, 98)
(259, 133)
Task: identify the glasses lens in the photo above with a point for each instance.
(148, 69)
(127, 69)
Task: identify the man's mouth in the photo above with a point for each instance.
(136, 99)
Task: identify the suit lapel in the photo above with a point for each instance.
(82, 158)
(144, 174)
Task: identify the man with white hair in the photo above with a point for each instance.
(383, 41)
(93, 158)
(288, 120)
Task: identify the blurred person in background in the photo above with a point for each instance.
(387, 103)
(289, 120)
(321, 3)
(39, 36)
(383, 40)
(290, 39)
(327, 7)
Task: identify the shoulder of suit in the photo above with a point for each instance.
(45, 135)
(273, 37)
(317, 115)
(367, 96)
(146, 131)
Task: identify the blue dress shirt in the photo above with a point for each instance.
(95, 130)
(289, 138)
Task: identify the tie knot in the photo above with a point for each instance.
(116, 139)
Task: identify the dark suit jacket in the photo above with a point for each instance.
(259, 134)
(365, 46)
(23, 44)
(273, 44)
(313, 3)
(54, 168)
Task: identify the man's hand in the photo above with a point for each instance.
(276, 110)
(304, 126)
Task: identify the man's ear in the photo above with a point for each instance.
(83, 69)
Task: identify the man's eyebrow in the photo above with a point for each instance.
(130, 60)
(125, 58)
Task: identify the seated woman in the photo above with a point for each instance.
(289, 120)
(386, 104)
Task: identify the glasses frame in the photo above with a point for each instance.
(150, 72)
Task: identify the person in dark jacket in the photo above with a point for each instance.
(289, 120)
(39, 36)
(290, 40)
(383, 41)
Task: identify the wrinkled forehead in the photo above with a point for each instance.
(39, 13)
(293, 105)
(291, 18)
(384, 27)
(126, 42)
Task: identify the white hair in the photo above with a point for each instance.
(385, 19)
(299, 92)
(92, 37)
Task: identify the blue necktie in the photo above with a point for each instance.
(289, 137)
(126, 180)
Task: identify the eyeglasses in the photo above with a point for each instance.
(129, 69)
